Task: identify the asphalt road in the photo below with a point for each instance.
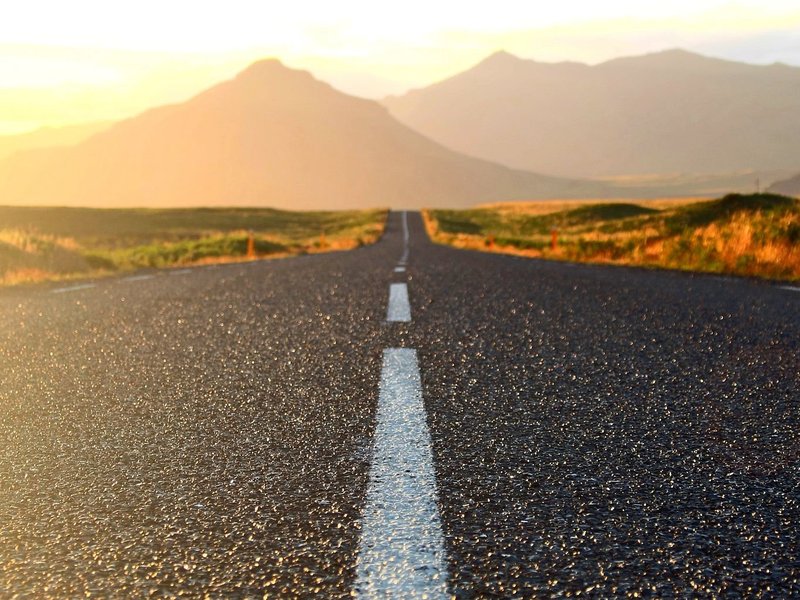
(593, 430)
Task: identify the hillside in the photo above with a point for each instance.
(755, 235)
(669, 112)
(790, 187)
(272, 136)
(52, 243)
(49, 137)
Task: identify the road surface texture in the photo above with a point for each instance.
(593, 431)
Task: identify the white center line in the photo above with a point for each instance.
(138, 277)
(404, 258)
(399, 308)
(72, 288)
(401, 552)
(399, 269)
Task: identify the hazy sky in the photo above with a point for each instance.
(82, 60)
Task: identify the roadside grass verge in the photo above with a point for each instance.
(753, 235)
(40, 244)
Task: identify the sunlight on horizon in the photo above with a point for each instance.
(89, 61)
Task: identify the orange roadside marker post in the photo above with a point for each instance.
(554, 240)
(251, 245)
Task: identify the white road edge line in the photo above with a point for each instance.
(401, 553)
(399, 309)
(180, 272)
(138, 277)
(73, 288)
(790, 287)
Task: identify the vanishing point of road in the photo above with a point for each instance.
(402, 420)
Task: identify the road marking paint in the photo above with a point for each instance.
(180, 272)
(72, 288)
(399, 269)
(404, 258)
(138, 277)
(399, 309)
(401, 553)
(790, 287)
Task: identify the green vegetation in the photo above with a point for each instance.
(756, 234)
(519, 225)
(57, 243)
(705, 213)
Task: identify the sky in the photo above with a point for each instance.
(90, 60)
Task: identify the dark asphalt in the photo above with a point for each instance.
(597, 431)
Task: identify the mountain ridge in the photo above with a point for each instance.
(788, 187)
(271, 136)
(48, 137)
(664, 112)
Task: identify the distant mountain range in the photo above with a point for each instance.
(272, 136)
(49, 137)
(672, 123)
(669, 112)
(788, 187)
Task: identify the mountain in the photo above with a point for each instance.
(271, 136)
(669, 112)
(788, 187)
(48, 137)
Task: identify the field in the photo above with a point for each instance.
(38, 244)
(754, 235)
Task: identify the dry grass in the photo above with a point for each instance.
(745, 235)
(55, 244)
(543, 207)
(30, 257)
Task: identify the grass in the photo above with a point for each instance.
(38, 244)
(754, 235)
(551, 206)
